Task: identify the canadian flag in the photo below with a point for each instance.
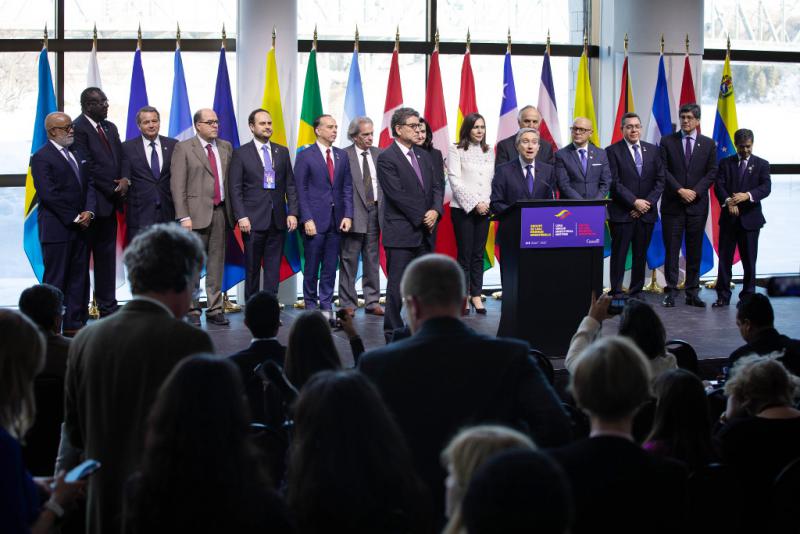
(394, 100)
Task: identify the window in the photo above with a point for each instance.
(26, 20)
(752, 25)
(376, 20)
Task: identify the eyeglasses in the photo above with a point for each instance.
(578, 130)
(65, 129)
(210, 123)
(413, 125)
(632, 127)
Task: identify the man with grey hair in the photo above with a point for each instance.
(528, 117)
(411, 206)
(446, 375)
(363, 238)
(116, 365)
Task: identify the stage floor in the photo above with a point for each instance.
(711, 331)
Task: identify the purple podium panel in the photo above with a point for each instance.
(562, 227)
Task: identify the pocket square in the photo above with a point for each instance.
(596, 164)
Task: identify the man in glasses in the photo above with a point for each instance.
(637, 181)
(412, 205)
(97, 141)
(528, 117)
(199, 190)
(582, 168)
(67, 205)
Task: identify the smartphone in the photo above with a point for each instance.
(617, 303)
(339, 315)
(82, 471)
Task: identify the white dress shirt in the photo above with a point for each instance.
(372, 172)
(149, 151)
(260, 151)
(220, 171)
(470, 173)
(324, 149)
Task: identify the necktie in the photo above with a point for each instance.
(688, 152)
(742, 170)
(73, 165)
(329, 161)
(366, 173)
(104, 138)
(155, 168)
(212, 160)
(269, 171)
(415, 165)
(584, 162)
(637, 159)
(529, 178)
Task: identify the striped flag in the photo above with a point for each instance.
(549, 129)
(467, 103)
(180, 114)
(394, 100)
(45, 104)
(624, 106)
(660, 124)
(353, 100)
(584, 102)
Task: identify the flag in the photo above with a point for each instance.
(93, 74)
(180, 114)
(45, 104)
(394, 100)
(467, 102)
(436, 117)
(549, 129)
(584, 102)
(353, 100)
(138, 95)
(233, 271)
(687, 86)
(312, 104)
(290, 262)
(624, 106)
(660, 124)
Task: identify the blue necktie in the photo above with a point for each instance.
(637, 159)
(687, 154)
(584, 162)
(269, 172)
(155, 168)
(73, 165)
(529, 178)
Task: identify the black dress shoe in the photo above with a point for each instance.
(697, 302)
(668, 302)
(218, 319)
(637, 296)
(720, 303)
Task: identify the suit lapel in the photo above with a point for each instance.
(166, 155)
(356, 172)
(200, 153)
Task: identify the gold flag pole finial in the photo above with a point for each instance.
(139, 37)
(355, 46)
(94, 36)
(274, 36)
(436, 40)
(662, 44)
(728, 45)
(508, 47)
(44, 42)
(314, 43)
(469, 40)
(397, 39)
(547, 46)
(178, 35)
(687, 44)
(626, 44)
(224, 36)
(585, 41)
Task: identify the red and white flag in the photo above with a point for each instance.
(549, 129)
(394, 100)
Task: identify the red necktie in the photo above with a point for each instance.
(330, 165)
(212, 160)
(104, 138)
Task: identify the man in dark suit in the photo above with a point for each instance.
(459, 377)
(637, 180)
(97, 141)
(147, 165)
(755, 319)
(67, 207)
(582, 168)
(412, 205)
(117, 365)
(325, 199)
(690, 164)
(506, 150)
(363, 239)
(743, 182)
(261, 185)
(199, 185)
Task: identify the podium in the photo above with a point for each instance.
(551, 259)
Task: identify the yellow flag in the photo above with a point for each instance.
(272, 100)
(584, 103)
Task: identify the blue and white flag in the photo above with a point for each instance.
(660, 125)
(180, 114)
(353, 101)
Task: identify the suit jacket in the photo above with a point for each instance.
(699, 176)
(404, 201)
(618, 487)
(246, 185)
(627, 185)
(259, 351)
(359, 194)
(114, 371)
(507, 151)
(103, 167)
(192, 181)
(315, 193)
(62, 195)
(755, 181)
(571, 181)
(146, 191)
(447, 376)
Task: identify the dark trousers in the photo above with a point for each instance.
(397, 259)
(676, 228)
(322, 255)
(263, 246)
(102, 234)
(730, 236)
(367, 247)
(635, 234)
(66, 266)
(471, 231)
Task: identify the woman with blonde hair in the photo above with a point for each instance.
(465, 453)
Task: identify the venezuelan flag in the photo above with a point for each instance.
(584, 102)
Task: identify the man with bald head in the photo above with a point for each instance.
(66, 209)
(529, 117)
(199, 190)
(581, 168)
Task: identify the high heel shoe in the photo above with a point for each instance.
(479, 311)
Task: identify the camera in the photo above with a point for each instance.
(617, 303)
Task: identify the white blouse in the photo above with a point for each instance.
(470, 173)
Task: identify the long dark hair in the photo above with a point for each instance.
(427, 144)
(310, 348)
(350, 469)
(200, 472)
(642, 324)
(464, 138)
(682, 422)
